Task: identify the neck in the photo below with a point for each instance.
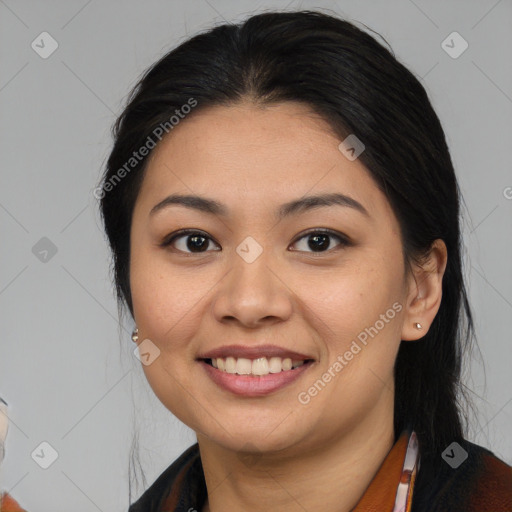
(335, 473)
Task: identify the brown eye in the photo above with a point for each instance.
(189, 241)
(320, 241)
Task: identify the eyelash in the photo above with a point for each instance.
(344, 241)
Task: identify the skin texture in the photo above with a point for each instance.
(274, 452)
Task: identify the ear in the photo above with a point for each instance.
(425, 287)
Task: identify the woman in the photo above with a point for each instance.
(283, 215)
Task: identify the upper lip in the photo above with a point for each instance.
(253, 352)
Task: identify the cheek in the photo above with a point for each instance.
(359, 315)
(171, 303)
(166, 307)
(160, 297)
(350, 300)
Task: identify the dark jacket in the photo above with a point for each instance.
(482, 483)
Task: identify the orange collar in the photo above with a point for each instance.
(392, 487)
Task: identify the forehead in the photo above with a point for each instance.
(248, 155)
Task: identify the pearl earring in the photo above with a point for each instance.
(135, 335)
(418, 326)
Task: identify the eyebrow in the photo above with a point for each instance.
(213, 207)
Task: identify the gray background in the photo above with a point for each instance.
(66, 368)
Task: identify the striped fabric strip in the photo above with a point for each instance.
(403, 501)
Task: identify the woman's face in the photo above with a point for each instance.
(258, 273)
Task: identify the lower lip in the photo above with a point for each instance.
(254, 386)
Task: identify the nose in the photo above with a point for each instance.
(252, 294)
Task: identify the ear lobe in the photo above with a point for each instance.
(425, 292)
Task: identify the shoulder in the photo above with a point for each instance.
(493, 484)
(154, 497)
(467, 477)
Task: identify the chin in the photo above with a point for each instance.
(249, 439)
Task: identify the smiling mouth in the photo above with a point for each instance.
(258, 367)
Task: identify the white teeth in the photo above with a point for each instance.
(275, 365)
(243, 366)
(230, 366)
(259, 366)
